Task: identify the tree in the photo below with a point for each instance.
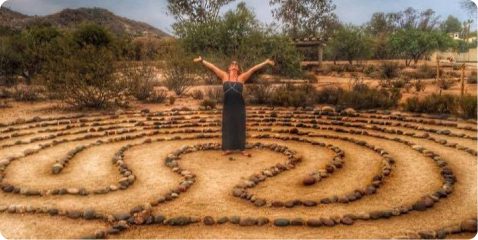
(414, 44)
(198, 11)
(451, 25)
(36, 43)
(350, 43)
(470, 7)
(306, 18)
(82, 71)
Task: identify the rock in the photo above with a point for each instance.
(259, 202)
(222, 220)
(208, 220)
(100, 234)
(468, 225)
(89, 214)
(347, 221)
(277, 204)
(145, 110)
(314, 223)
(235, 219)
(56, 168)
(327, 222)
(53, 211)
(121, 225)
(179, 221)
(73, 191)
(309, 180)
(297, 222)
(247, 222)
(328, 109)
(73, 214)
(262, 221)
(281, 222)
(309, 203)
(427, 234)
(159, 219)
(350, 111)
(122, 216)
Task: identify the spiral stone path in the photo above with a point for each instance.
(313, 173)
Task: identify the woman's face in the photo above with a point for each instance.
(234, 68)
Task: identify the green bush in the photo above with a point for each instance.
(140, 79)
(364, 97)
(158, 96)
(435, 103)
(26, 93)
(467, 106)
(258, 93)
(197, 94)
(209, 103)
(290, 95)
(329, 95)
(215, 93)
(389, 70)
(472, 79)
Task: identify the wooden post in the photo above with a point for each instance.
(321, 54)
(438, 68)
(463, 80)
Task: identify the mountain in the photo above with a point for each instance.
(70, 18)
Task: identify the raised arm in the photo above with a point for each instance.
(246, 75)
(220, 73)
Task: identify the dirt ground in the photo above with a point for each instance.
(413, 176)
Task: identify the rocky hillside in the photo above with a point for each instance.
(70, 18)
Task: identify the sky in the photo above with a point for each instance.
(154, 13)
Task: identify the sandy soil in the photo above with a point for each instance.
(413, 176)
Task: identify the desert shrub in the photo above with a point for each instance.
(258, 93)
(329, 95)
(399, 83)
(310, 77)
(4, 104)
(84, 77)
(435, 103)
(5, 92)
(301, 95)
(389, 70)
(197, 94)
(369, 70)
(419, 85)
(472, 78)
(209, 103)
(140, 80)
(25, 93)
(172, 100)
(467, 106)
(215, 93)
(179, 70)
(364, 97)
(445, 84)
(157, 96)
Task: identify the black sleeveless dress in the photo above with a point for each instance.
(233, 117)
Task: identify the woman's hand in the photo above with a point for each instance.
(270, 62)
(199, 59)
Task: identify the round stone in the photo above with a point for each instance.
(314, 223)
(262, 221)
(56, 168)
(89, 214)
(247, 222)
(281, 222)
(347, 221)
(308, 181)
(468, 225)
(297, 222)
(260, 202)
(309, 203)
(327, 222)
(222, 220)
(208, 220)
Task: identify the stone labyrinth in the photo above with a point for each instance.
(313, 173)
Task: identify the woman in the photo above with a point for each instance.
(234, 110)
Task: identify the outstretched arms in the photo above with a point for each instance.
(246, 75)
(220, 73)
